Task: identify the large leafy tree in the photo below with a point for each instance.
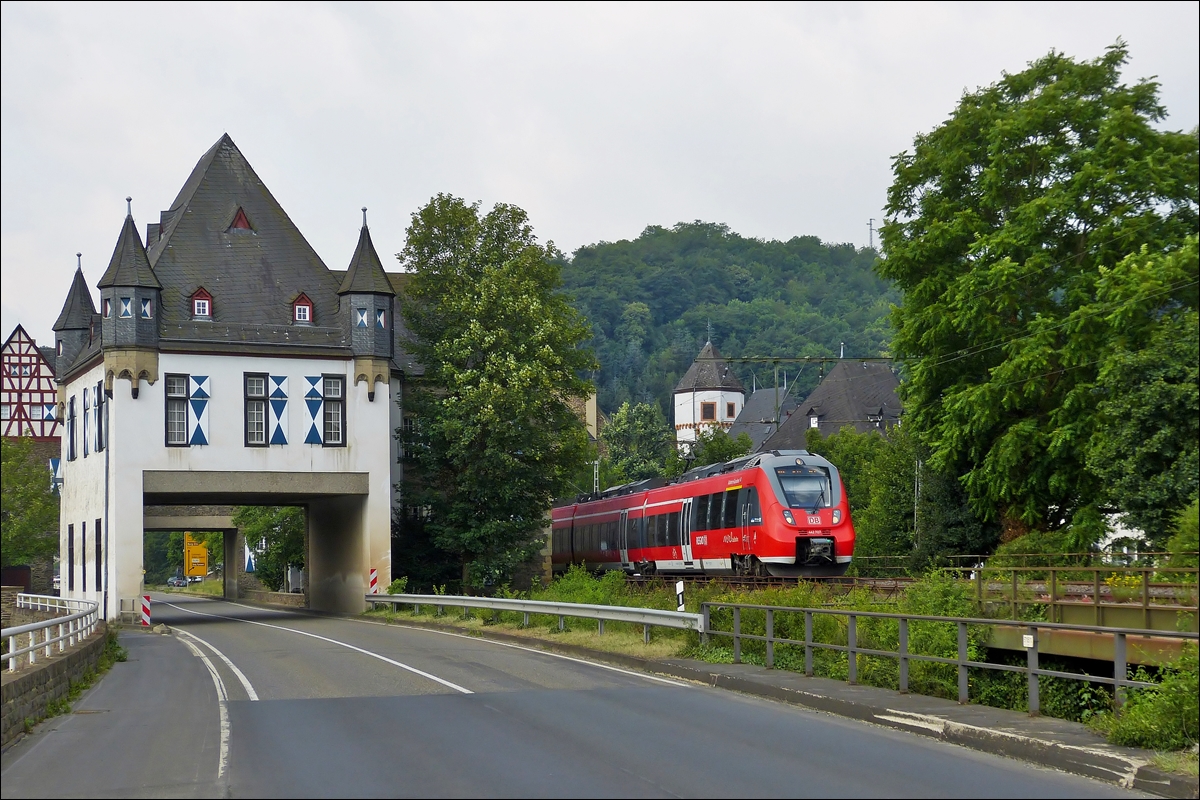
(639, 441)
(497, 439)
(1000, 224)
(1145, 446)
(29, 514)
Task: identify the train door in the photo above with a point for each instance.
(685, 533)
(749, 517)
(623, 539)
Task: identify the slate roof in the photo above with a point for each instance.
(365, 274)
(129, 265)
(758, 414)
(851, 394)
(78, 310)
(47, 354)
(400, 353)
(251, 274)
(709, 371)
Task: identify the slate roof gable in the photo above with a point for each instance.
(252, 274)
(365, 274)
(78, 310)
(129, 265)
(850, 394)
(758, 414)
(709, 372)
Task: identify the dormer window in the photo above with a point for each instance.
(107, 306)
(814, 421)
(240, 222)
(302, 310)
(147, 309)
(360, 318)
(381, 319)
(126, 307)
(201, 304)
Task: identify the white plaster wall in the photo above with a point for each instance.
(137, 444)
(687, 411)
(82, 497)
(396, 420)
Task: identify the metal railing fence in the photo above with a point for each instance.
(1119, 681)
(66, 631)
(646, 617)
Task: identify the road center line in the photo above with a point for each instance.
(609, 667)
(253, 695)
(348, 646)
(222, 701)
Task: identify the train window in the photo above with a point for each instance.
(673, 529)
(731, 519)
(701, 506)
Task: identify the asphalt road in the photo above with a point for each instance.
(329, 707)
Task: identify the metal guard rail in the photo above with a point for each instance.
(1119, 681)
(646, 617)
(71, 629)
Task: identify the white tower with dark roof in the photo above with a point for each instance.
(709, 396)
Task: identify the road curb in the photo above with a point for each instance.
(1127, 767)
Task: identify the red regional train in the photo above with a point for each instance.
(782, 513)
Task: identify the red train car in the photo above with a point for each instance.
(782, 513)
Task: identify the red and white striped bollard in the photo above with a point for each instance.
(374, 581)
(146, 610)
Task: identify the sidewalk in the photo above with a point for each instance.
(1046, 741)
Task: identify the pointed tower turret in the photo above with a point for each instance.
(708, 397)
(367, 308)
(73, 328)
(130, 294)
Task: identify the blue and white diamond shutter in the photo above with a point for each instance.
(199, 393)
(278, 400)
(313, 401)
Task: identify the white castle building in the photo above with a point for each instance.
(227, 364)
(709, 396)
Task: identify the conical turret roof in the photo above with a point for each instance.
(709, 372)
(129, 265)
(78, 310)
(365, 274)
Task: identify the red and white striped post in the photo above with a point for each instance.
(374, 581)
(146, 610)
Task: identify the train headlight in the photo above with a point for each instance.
(787, 516)
(837, 516)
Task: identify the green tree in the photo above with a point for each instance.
(715, 446)
(999, 223)
(639, 441)
(276, 534)
(29, 510)
(501, 346)
(1145, 447)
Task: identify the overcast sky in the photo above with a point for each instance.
(778, 120)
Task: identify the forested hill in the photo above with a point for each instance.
(650, 302)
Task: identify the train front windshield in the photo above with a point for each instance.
(805, 487)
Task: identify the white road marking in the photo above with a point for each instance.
(240, 675)
(222, 700)
(348, 646)
(609, 667)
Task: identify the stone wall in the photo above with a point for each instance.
(8, 604)
(293, 600)
(28, 692)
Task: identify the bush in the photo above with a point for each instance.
(1166, 717)
(398, 586)
(1186, 540)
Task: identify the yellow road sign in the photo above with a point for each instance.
(195, 560)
